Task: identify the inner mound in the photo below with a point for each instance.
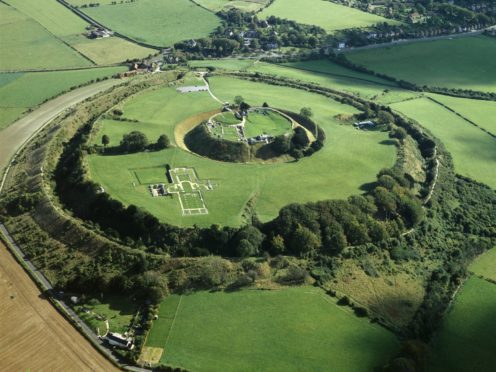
(251, 134)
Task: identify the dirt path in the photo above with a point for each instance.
(15, 135)
(34, 335)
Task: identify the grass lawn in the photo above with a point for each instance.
(349, 160)
(473, 151)
(328, 15)
(293, 329)
(19, 92)
(244, 5)
(118, 310)
(157, 22)
(271, 123)
(28, 45)
(483, 113)
(485, 265)
(467, 338)
(466, 63)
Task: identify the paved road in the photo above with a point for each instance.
(15, 135)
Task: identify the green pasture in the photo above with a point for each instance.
(157, 22)
(485, 265)
(464, 63)
(54, 17)
(473, 151)
(20, 92)
(483, 113)
(111, 50)
(269, 122)
(328, 15)
(293, 329)
(348, 162)
(244, 5)
(467, 338)
(28, 45)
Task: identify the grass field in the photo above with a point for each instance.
(68, 28)
(467, 338)
(349, 160)
(483, 113)
(28, 45)
(270, 122)
(473, 151)
(287, 330)
(466, 63)
(111, 50)
(157, 22)
(485, 265)
(244, 5)
(22, 91)
(322, 72)
(328, 15)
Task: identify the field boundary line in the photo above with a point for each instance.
(172, 324)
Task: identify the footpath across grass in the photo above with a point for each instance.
(291, 329)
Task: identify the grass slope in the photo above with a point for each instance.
(328, 15)
(349, 160)
(157, 22)
(467, 339)
(28, 45)
(466, 63)
(285, 330)
(473, 151)
(20, 92)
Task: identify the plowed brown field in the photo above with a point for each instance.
(33, 335)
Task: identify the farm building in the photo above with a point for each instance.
(365, 124)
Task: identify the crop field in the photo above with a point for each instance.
(485, 265)
(330, 16)
(473, 151)
(35, 335)
(28, 45)
(157, 22)
(244, 5)
(349, 160)
(467, 338)
(465, 63)
(290, 329)
(22, 91)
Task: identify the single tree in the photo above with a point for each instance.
(238, 100)
(306, 112)
(162, 142)
(134, 142)
(105, 140)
